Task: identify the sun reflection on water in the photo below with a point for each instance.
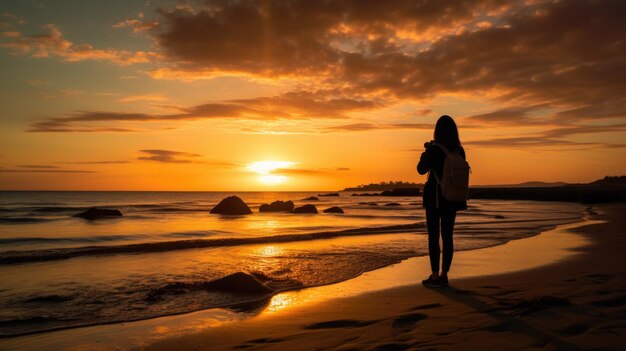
(269, 250)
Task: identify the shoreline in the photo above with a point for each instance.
(392, 277)
(576, 300)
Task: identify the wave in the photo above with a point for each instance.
(92, 239)
(13, 257)
(11, 220)
(55, 209)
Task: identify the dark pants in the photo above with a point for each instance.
(433, 219)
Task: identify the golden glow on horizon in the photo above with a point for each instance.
(265, 169)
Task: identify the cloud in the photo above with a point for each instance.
(538, 142)
(143, 97)
(509, 116)
(298, 171)
(137, 25)
(361, 127)
(53, 44)
(168, 156)
(2, 170)
(95, 162)
(554, 138)
(38, 166)
(539, 64)
(298, 105)
(299, 37)
(566, 56)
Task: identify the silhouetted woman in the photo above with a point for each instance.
(440, 213)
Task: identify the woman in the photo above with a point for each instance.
(439, 211)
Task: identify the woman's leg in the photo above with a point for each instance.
(447, 229)
(432, 224)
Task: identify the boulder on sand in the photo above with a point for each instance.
(277, 206)
(99, 213)
(239, 282)
(305, 209)
(232, 205)
(311, 198)
(334, 209)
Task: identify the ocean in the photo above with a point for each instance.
(59, 271)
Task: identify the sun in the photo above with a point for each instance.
(265, 168)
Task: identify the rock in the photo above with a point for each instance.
(98, 213)
(329, 194)
(239, 282)
(312, 198)
(334, 209)
(372, 204)
(401, 192)
(498, 217)
(392, 204)
(394, 192)
(305, 209)
(231, 205)
(277, 206)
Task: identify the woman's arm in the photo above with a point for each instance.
(424, 165)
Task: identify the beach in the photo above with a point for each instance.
(562, 289)
(576, 301)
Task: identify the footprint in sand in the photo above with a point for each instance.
(616, 302)
(408, 320)
(392, 346)
(340, 323)
(426, 306)
(254, 342)
(574, 329)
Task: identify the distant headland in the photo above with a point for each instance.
(385, 186)
(607, 189)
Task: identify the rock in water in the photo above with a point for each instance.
(329, 194)
(334, 209)
(98, 213)
(392, 204)
(277, 206)
(232, 205)
(305, 209)
(238, 283)
(311, 198)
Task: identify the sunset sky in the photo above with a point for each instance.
(306, 95)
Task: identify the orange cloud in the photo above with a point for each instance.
(298, 105)
(53, 44)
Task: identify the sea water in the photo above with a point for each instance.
(59, 271)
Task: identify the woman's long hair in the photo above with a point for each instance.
(446, 133)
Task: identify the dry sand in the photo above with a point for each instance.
(577, 302)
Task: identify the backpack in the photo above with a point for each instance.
(454, 180)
